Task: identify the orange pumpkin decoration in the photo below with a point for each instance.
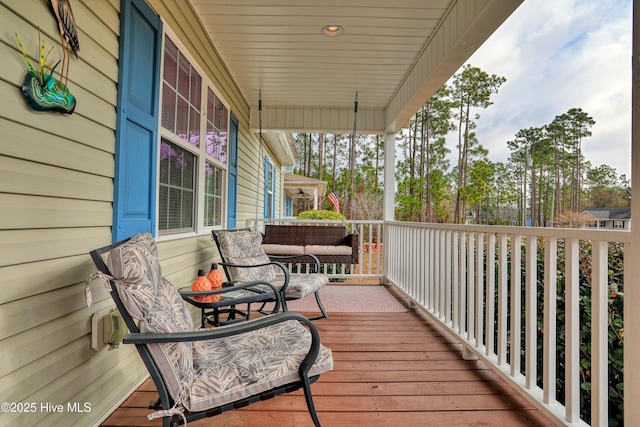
(201, 284)
(216, 279)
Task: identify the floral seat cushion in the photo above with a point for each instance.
(301, 285)
(231, 368)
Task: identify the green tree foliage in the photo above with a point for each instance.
(552, 171)
(481, 177)
(323, 156)
(503, 196)
(567, 132)
(422, 183)
(532, 147)
(605, 188)
(471, 89)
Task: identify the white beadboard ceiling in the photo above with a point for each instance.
(394, 54)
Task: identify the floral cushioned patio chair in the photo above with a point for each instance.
(203, 372)
(244, 260)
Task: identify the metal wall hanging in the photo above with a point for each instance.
(41, 89)
(68, 34)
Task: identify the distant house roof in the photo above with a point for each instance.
(615, 213)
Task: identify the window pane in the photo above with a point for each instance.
(217, 145)
(211, 99)
(177, 184)
(217, 113)
(196, 88)
(163, 214)
(184, 77)
(221, 153)
(170, 72)
(168, 107)
(194, 127)
(213, 195)
(223, 119)
(181, 100)
(182, 118)
(217, 116)
(210, 129)
(210, 139)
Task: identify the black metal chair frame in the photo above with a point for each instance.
(281, 266)
(165, 402)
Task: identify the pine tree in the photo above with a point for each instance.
(471, 88)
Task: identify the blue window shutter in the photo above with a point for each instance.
(232, 173)
(134, 202)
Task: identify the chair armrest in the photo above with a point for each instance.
(237, 329)
(213, 333)
(285, 270)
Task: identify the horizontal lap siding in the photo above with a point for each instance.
(56, 191)
(56, 195)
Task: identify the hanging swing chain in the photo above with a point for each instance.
(260, 155)
(352, 154)
(355, 116)
(352, 151)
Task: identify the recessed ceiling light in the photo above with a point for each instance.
(332, 30)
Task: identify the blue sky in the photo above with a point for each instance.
(557, 55)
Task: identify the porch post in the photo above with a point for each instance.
(389, 176)
(632, 251)
(389, 191)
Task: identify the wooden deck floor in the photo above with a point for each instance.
(391, 369)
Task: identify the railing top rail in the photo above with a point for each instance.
(320, 221)
(623, 236)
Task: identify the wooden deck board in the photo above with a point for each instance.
(391, 369)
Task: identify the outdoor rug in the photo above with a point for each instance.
(350, 299)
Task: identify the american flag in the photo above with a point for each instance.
(333, 198)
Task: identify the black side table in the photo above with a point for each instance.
(231, 295)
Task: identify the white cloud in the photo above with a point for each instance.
(558, 55)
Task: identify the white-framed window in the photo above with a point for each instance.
(194, 128)
(269, 189)
(618, 224)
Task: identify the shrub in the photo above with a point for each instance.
(321, 214)
(615, 334)
(615, 324)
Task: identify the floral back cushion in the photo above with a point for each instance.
(245, 248)
(157, 305)
(137, 271)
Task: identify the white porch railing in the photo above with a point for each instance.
(462, 275)
(459, 275)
